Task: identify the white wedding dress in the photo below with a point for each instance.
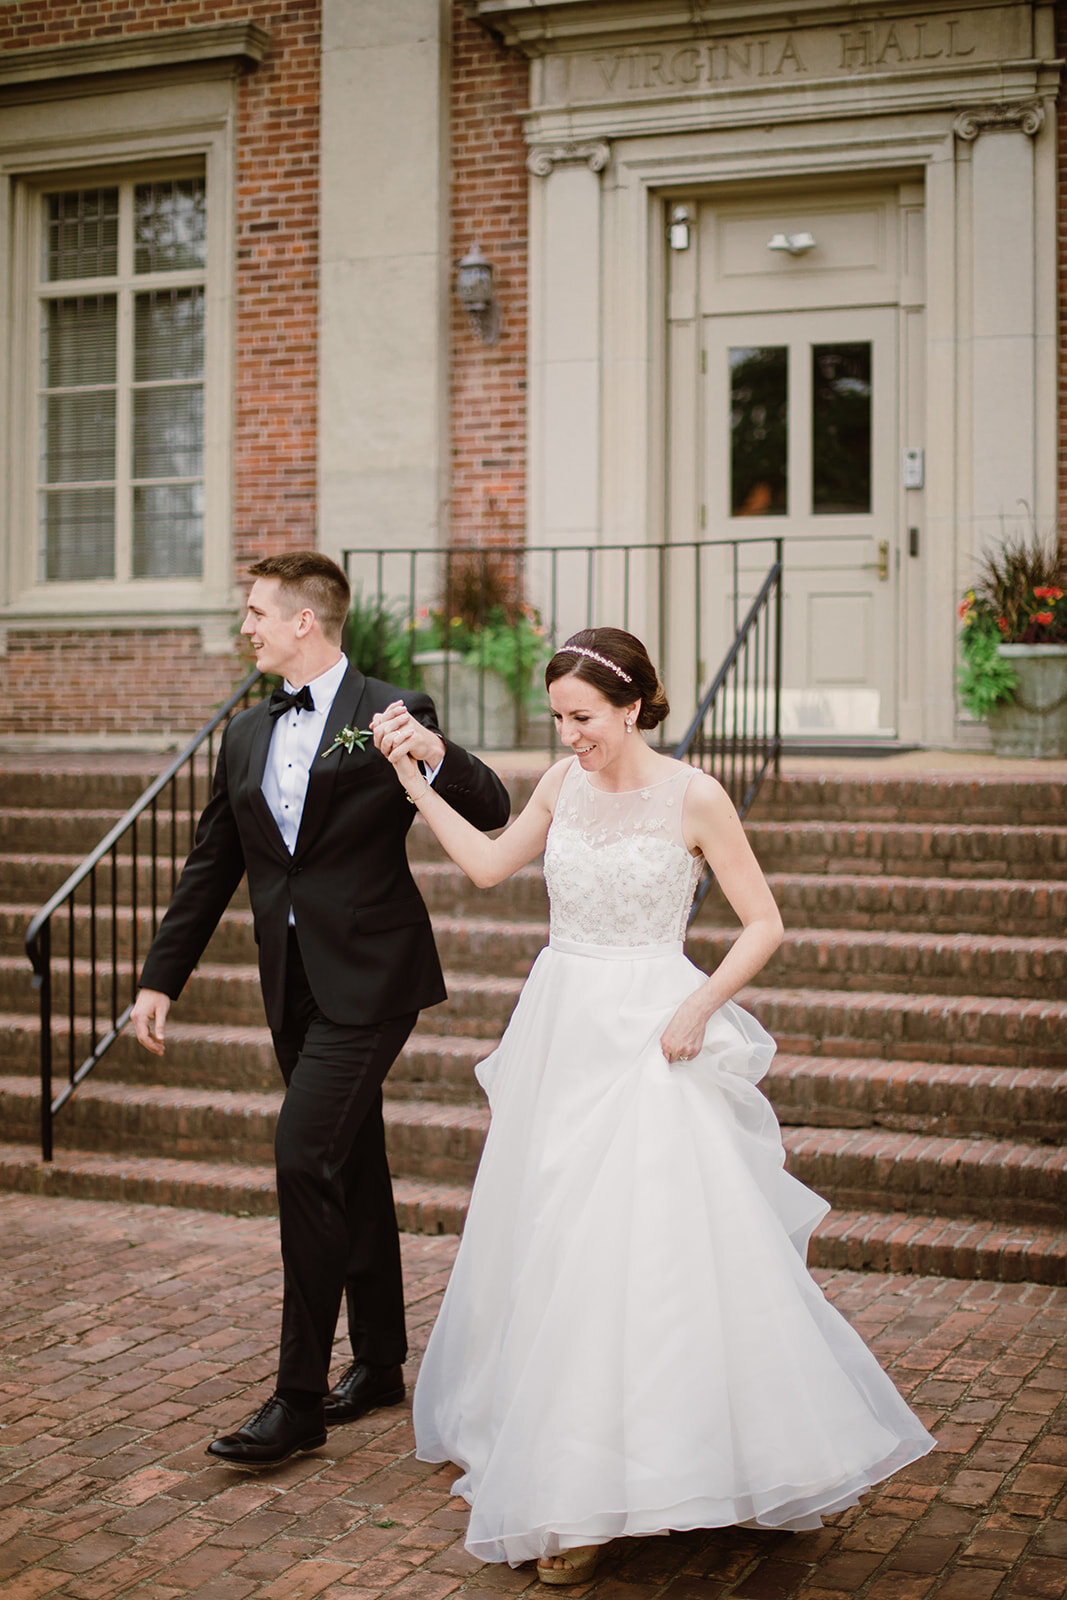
(630, 1341)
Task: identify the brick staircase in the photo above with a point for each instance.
(919, 1002)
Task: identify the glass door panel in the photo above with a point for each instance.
(840, 428)
(759, 430)
(801, 442)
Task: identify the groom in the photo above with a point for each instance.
(315, 816)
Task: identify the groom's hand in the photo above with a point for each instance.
(149, 1017)
(397, 732)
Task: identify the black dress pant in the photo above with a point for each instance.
(335, 1198)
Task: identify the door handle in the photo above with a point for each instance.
(881, 566)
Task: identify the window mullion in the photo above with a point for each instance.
(36, 429)
(124, 438)
(187, 277)
(124, 398)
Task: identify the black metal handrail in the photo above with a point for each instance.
(39, 941)
(736, 733)
(684, 599)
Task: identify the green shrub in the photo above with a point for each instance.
(378, 639)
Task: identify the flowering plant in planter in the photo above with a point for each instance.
(509, 641)
(478, 651)
(1018, 598)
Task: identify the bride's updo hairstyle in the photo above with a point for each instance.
(616, 664)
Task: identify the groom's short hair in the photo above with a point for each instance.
(308, 578)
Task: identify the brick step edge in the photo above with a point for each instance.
(848, 797)
(896, 1242)
(70, 779)
(904, 848)
(882, 892)
(812, 941)
(894, 1015)
(996, 965)
(846, 901)
(202, 1186)
(940, 1247)
(832, 1091)
(248, 1110)
(871, 1153)
(52, 781)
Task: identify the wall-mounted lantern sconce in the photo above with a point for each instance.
(794, 243)
(474, 286)
(678, 231)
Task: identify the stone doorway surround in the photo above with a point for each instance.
(638, 103)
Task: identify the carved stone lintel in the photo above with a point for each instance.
(1026, 115)
(243, 44)
(543, 157)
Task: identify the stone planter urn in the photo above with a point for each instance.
(475, 708)
(1033, 723)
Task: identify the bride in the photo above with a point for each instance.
(630, 1341)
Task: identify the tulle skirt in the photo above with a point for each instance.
(630, 1341)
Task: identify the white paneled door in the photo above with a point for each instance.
(801, 412)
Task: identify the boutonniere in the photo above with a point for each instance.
(349, 739)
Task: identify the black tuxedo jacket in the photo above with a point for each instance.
(364, 931)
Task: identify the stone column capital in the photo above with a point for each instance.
(1026, 115)
(544, 157)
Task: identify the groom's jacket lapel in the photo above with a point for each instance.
(344, 713)
(257, 763)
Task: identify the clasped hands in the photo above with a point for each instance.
(403, 740)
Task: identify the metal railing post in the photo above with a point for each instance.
(43, 980)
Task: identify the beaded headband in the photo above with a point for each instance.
(580, 650)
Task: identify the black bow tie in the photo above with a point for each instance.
(299, 700)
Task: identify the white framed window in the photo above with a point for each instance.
(117, 344)
(120, 316)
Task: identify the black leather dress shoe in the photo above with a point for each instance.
(271, 1436)
(362, 1388)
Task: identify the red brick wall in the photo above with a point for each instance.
(124, 683)
(276, 308)
(276, 423)
(488, 383)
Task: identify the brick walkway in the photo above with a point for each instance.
(130, 1335)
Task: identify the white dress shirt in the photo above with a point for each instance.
(296, 737)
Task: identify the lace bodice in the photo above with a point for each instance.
(617, 867)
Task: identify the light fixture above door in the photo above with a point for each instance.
(795, 244)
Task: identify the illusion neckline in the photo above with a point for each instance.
(641, 788)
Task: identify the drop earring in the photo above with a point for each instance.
(629, 724)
